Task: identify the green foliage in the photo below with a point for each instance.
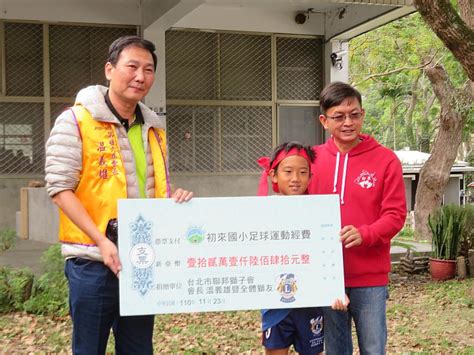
(48, 294)
(407, 233)
(15, 288)
(52, 261)
(386, 65)
(403, 238)
(402, 244)
(447, 226)
(50, 291)
(7, 238)
(467, 241)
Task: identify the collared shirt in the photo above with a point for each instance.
(134, 132)
(124, 122)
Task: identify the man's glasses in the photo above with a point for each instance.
(341, 118)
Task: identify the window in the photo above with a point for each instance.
(221, 109)
(76, 58)
(21, 139)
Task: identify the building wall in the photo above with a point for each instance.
(206, 17)
(43, 214)
(452, 195)
(218, 185)
(251, 19)
(234, 93)
(84, 11)
(40, 73)
(247, 20)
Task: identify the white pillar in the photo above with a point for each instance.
(336, 61)
(155, 32)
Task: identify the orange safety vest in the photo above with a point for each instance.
(102, 181)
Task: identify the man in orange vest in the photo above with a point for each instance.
(107, 146)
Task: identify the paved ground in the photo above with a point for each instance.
(422, 248)
(27, 253)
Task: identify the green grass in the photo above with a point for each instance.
(452, 291)
(431, 316)
(398, 309)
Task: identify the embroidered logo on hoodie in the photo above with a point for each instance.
(366, 180)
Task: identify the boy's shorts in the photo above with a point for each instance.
(302, 328)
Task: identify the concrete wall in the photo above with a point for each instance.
(43, 217)
(218, 185)
(42, 214)
(10, 200)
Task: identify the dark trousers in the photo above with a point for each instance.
(94, 308)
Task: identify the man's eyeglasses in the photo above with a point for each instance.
(341, 118)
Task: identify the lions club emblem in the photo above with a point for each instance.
(366, 180)
(287, 288)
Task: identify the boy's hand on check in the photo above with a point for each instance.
(338, 305)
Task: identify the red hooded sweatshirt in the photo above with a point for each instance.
(370, 184)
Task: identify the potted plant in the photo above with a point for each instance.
(447, 226)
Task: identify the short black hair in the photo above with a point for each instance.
(287, 146)
(123, 42)
(335, 93)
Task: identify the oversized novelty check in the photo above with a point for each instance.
(221, 254)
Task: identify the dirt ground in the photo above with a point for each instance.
(423, 316)
(437, 317)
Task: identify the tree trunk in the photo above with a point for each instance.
(456, 34)
(434, 175)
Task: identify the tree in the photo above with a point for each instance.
(386, 66)
(456, 103)
(456, 31)
(395, 70)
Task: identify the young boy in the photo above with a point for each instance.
(368, 178)
(290, 171)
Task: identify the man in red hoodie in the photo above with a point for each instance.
(368, 178)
